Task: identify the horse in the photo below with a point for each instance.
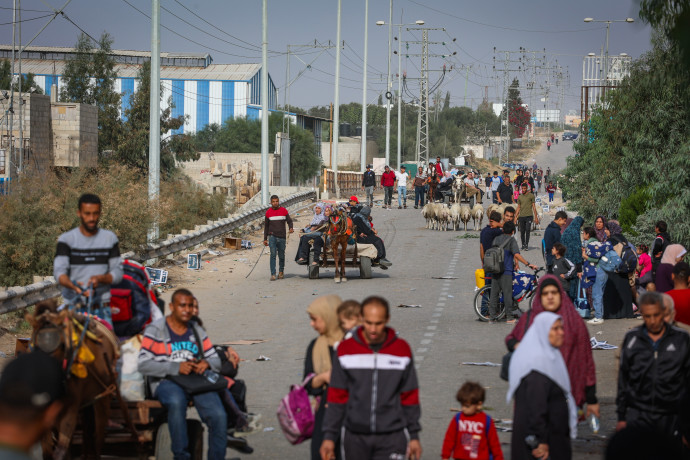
(433, 183)
(88, 351)
(340, 229)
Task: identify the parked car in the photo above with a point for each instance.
(567, 136)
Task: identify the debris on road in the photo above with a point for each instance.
(409, 306)
(486, 363)
(444, 277)
(245, 342)
(263, 358)
(596, 345)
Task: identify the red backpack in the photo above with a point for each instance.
(133, 302)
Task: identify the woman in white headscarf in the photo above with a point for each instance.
(545, 416)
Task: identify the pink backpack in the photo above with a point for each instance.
(295, 414)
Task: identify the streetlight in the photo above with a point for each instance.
(606, 61)
(418, 22)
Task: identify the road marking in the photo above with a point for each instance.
(431, 328)
(433, 321)
(429, 334)
(425, 342)
(436, 315)
(422, 350)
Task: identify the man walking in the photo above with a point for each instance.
(388, 183)
(368, 184)
(401, 184)
(373, 397)
(173, 347)
(552, 235)
(275, 236)
(526, 212)
(495, 182)
(488, 233)
(438, 167)
(419, 188)
(88, 257)
(653, 372)
(505, 191)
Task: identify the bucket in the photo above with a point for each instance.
(479, 278)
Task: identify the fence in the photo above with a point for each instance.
(24, 296)
(348, 181)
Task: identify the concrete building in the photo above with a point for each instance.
(205, 92)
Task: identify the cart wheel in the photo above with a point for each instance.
(195, 433)
(163, 443)
(365, 268)
(312, 269)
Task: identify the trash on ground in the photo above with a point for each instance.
(413, 289)
(245, 342)
(269, 428)
(486, 363)
(266, 296)
(409, 306)
(444, 277)
(596, 345)
(215, 253)
(451, 296)
(263, 358)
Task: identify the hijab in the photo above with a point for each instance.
(325, 307)
(536, 353)
(614, 227)
(572, 242)
(320, 218)
(365, 211)
(601, 234)
(576, 349)
(672, 252)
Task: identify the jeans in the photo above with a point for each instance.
(419, 192)
(598, 292)
(210, 408)
(387, 195)
(525, 225)
(369, 192)
(502, 283)
(277, 245)
(494, 196)
(550, 197)
(402, 195)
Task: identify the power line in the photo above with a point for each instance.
(25, 20)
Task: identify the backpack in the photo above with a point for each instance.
(610, 261)
(628, 259)
(133, 302)
(296, 414)
(494, 258)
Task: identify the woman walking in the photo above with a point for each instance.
(573, 250)
(323, 318)
(545, 418)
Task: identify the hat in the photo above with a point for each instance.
(32, 380)
(354, 198)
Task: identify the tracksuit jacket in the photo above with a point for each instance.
(369, 179)
(274, 223)
(653, 376)
(373, 392)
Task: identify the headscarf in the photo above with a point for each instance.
(537, 354)
(572, 242)
(576, 350)
(614, 227)
(567, 222)
(672, 252)
(318, 219)
(365, 211)
(325, 307)
(601, 234)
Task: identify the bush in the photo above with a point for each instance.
(41, 207)
(631, 207)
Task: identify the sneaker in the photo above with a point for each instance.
(239, 444)
(273, 277)
(247, 430)
(400, 207)
(385, 262)
(405, 206)
(416, 207)
(596, 321)
(281, 275)
(253, 419)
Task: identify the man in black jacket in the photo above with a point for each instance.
(552, 235)
(368, 184)
(366, 235)
(654, 372)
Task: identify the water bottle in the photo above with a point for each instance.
(211, 376)
(594, 423)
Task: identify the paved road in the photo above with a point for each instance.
(443, 333)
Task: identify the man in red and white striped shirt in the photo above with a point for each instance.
(275, 235)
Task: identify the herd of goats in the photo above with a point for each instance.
(440, 216)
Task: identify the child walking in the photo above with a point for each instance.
(551, 189)
(471, 433)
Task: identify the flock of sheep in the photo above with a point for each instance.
(440, 217)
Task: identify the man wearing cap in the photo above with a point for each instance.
(401, 184)
(368, 184)
(354, 205)
(388, 183)
(31, 399)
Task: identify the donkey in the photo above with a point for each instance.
(340, 229)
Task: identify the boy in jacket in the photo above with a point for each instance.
(563, 268)
(373, 395)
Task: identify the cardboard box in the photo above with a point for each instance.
(233, 243)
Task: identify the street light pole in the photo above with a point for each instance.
(388, 86)
(363, 152)
(336, 115)
(264, 108)
(399, 92)
(154, 114)
(606, 56)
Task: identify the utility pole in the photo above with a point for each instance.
(399, 140)
(336, 117)
(388, 86)
(154, 114)
(19, 83)
(505, 116)
(264, 108)
(363, 152)
(10, 159)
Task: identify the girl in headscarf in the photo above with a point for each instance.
(573, 249)
(618, 292)
(323, 318)
(673, 254)
(576, 349)
(312, 232)
(545, 418)
(600, 227)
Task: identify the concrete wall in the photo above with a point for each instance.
(75, 134)
(349, 149)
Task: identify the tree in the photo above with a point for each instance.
(380, 101)
(518, 115)
(446, 102)
(29, 85)
(132, 148)
(90, 78)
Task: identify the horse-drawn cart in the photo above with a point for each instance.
(356, 256)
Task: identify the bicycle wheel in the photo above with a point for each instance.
(481, 304)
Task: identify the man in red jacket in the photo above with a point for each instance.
(388, 183)
(275, 235)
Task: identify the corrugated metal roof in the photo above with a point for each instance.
(212, 72)
(64, 49)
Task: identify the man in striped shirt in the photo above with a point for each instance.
(275, 235)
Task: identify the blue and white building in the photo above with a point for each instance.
(205, 92)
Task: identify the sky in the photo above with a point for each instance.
(231, 32)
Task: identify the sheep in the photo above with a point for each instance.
(502, 208)
(492, 207)
(442, 216)
(477, 216)
(429, 214)
(455, 215)
(465, 214)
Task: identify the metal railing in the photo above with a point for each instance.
(20, 297)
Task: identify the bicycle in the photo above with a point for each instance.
(525, 288)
